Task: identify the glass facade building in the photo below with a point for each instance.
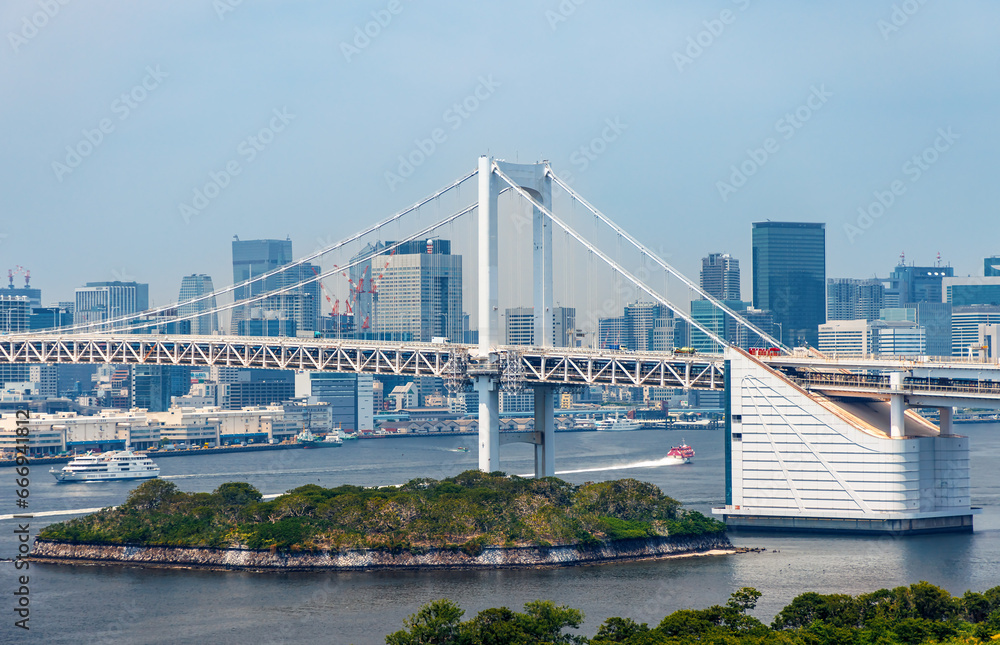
(789, 277)
(193, 286)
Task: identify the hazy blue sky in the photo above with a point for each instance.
(879, 82)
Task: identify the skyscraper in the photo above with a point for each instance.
(991, 266)
(520, 326)
(292, 311)
(909, 284)
(789, 277)
(420, 293)
(100, 301)
(852, 299)
(193, 286)
(720, 276)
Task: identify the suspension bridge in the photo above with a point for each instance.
(812, 442)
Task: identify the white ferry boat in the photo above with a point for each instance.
(617, 424)
(107, 466)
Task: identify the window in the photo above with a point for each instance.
(737, 436)
(738, 418)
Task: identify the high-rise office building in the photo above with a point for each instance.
(15, 314)
(715, 320)
(720, 276)
(852, 299)
(909, 284)
(297, 308)
(961, 292)
(419, 295)
(350, 397)
(50, 317)
(520, 326)
(991, 266)
(153, 386)
(195, 286)
(965, 327)
(97, 302)
(789, 277)
(640, 318)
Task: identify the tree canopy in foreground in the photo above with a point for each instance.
(920, 613)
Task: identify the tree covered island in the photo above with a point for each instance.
(463, 513)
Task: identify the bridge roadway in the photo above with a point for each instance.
(923, 381)
(456, 362)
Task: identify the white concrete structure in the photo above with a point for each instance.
(804, 462)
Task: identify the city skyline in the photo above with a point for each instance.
(323, 146)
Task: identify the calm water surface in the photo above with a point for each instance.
(129, 605)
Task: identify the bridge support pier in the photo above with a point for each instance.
(545, 428)
(944, 420)
(897, 406)
(489, 423)
(801, 462)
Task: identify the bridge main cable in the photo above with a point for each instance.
(263, 276)
(642, 248)
(611, 263)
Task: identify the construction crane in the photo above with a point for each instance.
(17, 271)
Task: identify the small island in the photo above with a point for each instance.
(472, 520)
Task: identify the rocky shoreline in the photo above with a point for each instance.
(46, 551)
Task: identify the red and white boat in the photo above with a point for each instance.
(682, 454)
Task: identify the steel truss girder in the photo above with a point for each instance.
(569, 366)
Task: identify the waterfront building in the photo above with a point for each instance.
(789, 277)
(720, 276)
(350, 397)
(517, 402)
(991, 266)
(257, 387)
(52, 433)
(195, 286)
(97, 302)
(852, 299)
(34, 296)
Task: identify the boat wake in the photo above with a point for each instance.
(648, 463)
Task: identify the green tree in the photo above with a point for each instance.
(436, 623)
(618, 630)
(237, 494)
(152, 494)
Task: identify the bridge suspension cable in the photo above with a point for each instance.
(672, 271)
(611, 263)
(316, 277)
(246, 283)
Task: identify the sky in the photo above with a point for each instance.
(683, 121)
